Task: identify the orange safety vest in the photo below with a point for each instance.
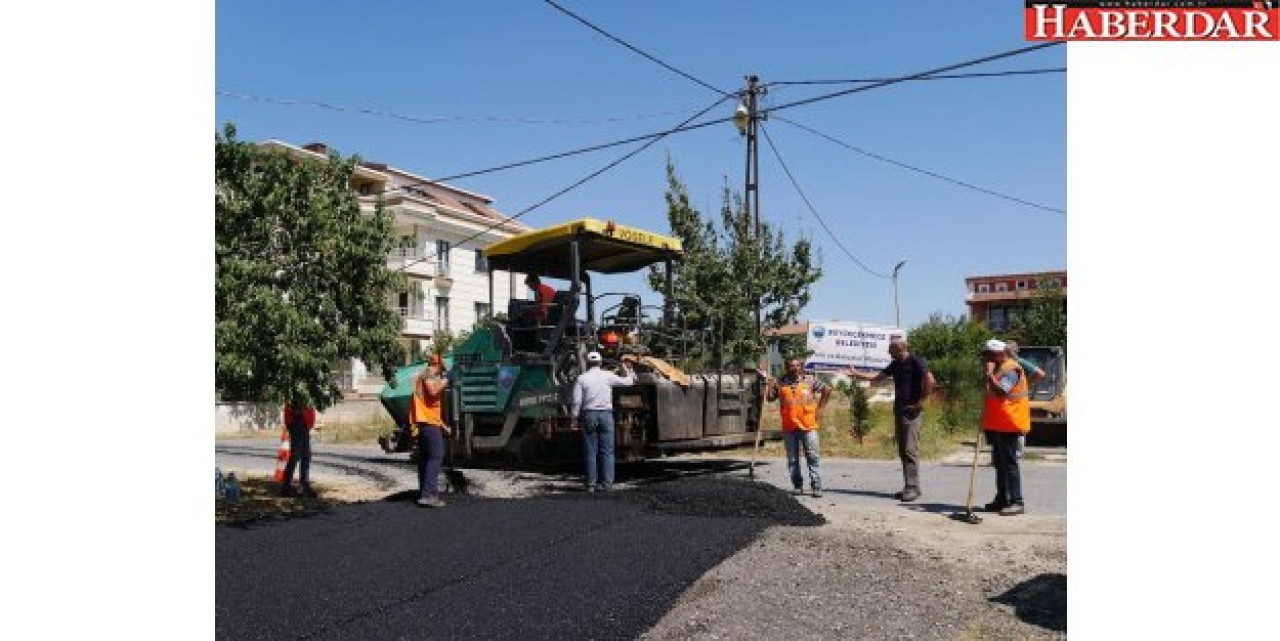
(424, 409)
(1010, 413)
(799, 406)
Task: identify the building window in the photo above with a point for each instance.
(1022, 284)
(442, 313)
(983, 288)
(996, 320)
(442, 257)
(482, 311)
(1002, 287)
(482, 263)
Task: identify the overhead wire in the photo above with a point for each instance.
(812, 209)
(690, 127)
(633, 48)
(891, 81)
(952, 76)
(683, 126)
(571, 187)
(431, 120)
(583, 150)
(932, 174)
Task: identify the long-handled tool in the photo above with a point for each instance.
(968, 516)
(454, 478)
(751, 469)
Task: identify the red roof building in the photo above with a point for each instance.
(995, 301)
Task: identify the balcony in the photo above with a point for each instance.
(412, 260)
(443, 277)
(416, 322)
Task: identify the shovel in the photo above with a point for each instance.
(968, 516)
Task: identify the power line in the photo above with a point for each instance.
(922, 171)
(812, 210)
(573, 186)
(915, 76)
(583, 150)
(954, 76)
(688, 127)
(763, 112)
(632, 48)
(431, 120)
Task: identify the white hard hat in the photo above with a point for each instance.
(594, 357)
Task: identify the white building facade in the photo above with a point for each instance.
(440, 231)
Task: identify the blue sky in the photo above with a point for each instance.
(488, 68)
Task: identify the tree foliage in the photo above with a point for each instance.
(859, 411)
(724, 268)
(953, 349)
(301, 278)
(1045, 321)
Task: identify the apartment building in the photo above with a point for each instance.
(440, 231)
(995, 301)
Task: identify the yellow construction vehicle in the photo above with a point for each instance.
(1049, 396)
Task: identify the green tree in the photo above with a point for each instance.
(301, 281)
(953, 349)
(859, 411)
(725, 266)
(1045, 321)
(443, 342)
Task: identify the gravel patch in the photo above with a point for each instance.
(884, 574)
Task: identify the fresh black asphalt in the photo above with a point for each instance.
(567, 566)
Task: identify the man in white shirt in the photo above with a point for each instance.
(593, 407)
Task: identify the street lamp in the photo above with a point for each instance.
(897, 321)
(741, 117)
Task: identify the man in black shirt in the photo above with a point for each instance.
(912, 383)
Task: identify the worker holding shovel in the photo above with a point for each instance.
(1006, 415)
(427, 418)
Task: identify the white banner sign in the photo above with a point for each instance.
(837, 345)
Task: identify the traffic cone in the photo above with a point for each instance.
(282, 455)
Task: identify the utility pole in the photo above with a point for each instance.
(747, 118)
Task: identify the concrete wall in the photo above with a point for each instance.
(237, 417)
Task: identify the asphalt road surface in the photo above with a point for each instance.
(569, 566)
(854, 482)
(559, 564)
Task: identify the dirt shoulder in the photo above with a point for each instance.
(885, 573)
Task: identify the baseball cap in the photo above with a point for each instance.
(593, 357)
(993, 345)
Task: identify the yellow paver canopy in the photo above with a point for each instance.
(605, 247)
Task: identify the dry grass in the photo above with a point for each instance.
(260, 499)
(837, 439)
